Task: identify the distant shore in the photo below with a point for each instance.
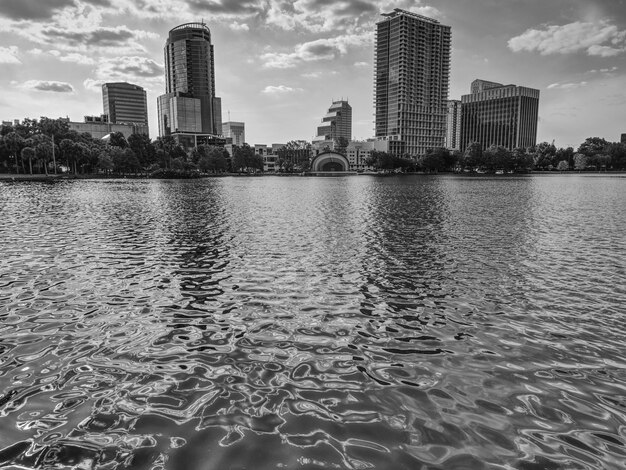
(65, 177)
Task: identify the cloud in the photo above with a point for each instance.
(93, 85)
(335, 15)
(129, 67)
(361, 64)
(312, 75)
(8, 55)
(279, 89)
(319, 49)
(239, 26)
(101, 36)
(596, 39)
(566, 86)
(233, 7)
(32, 9)
(48, 85)
(72, 57)
(605, 70)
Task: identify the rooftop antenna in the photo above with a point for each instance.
(229, 115)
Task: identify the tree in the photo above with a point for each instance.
(599, 161)
(592, 146)
(521, 160)
(295, 155)
(544, 156)
(105, 163)
(434, 160)
(566, 154)
(143, 148)
(496, 157)
(580, 161)
(245, 158)
(14, 142)
(28, 153)
(43, 149)
(70, 153)
(617, 152)
(473, 156)
(117, 139)
(452, 160)
(341, 144)
(563, 165)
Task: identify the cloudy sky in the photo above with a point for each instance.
(279, 64)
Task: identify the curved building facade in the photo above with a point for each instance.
(189, 105)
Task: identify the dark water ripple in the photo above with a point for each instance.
(348, 323)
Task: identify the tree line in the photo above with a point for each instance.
(594, 153)
(47, 146)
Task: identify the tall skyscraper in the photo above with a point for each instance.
(411, 82)
(336, 123)
(496, 114)
(125, 103)
(189, 107)
(453, 125)
(235, 131)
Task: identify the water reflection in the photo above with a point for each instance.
(313, 323)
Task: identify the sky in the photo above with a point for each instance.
(280, 64)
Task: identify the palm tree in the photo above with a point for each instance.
(14, 142)
(28, 153)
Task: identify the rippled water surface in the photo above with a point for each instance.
(312, 323)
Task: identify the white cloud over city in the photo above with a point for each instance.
(595, 39)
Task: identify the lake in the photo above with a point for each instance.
(407, 322)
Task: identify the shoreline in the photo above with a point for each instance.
(65, 177)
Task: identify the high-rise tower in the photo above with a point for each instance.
(189, 106)
(336, 123)
(125, 103)
(411, 82)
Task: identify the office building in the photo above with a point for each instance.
(412, 72)
(359, 152)
(336, 123)
(496, 114)
(453, 125)
(99, 127)
(189, 110)
(235, 131)
(125, 103)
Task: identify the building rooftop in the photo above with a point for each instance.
(400, 11)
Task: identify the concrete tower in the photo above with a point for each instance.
(411, 82)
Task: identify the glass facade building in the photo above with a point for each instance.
(235, 131)
(496, 114)
(125, 103)
(189, 105)
(412, 73)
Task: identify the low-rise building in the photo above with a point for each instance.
(269, 154)
(358, 152)
(99, 127)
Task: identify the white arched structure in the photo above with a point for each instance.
(330, 161)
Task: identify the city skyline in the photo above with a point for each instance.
(276, 61)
